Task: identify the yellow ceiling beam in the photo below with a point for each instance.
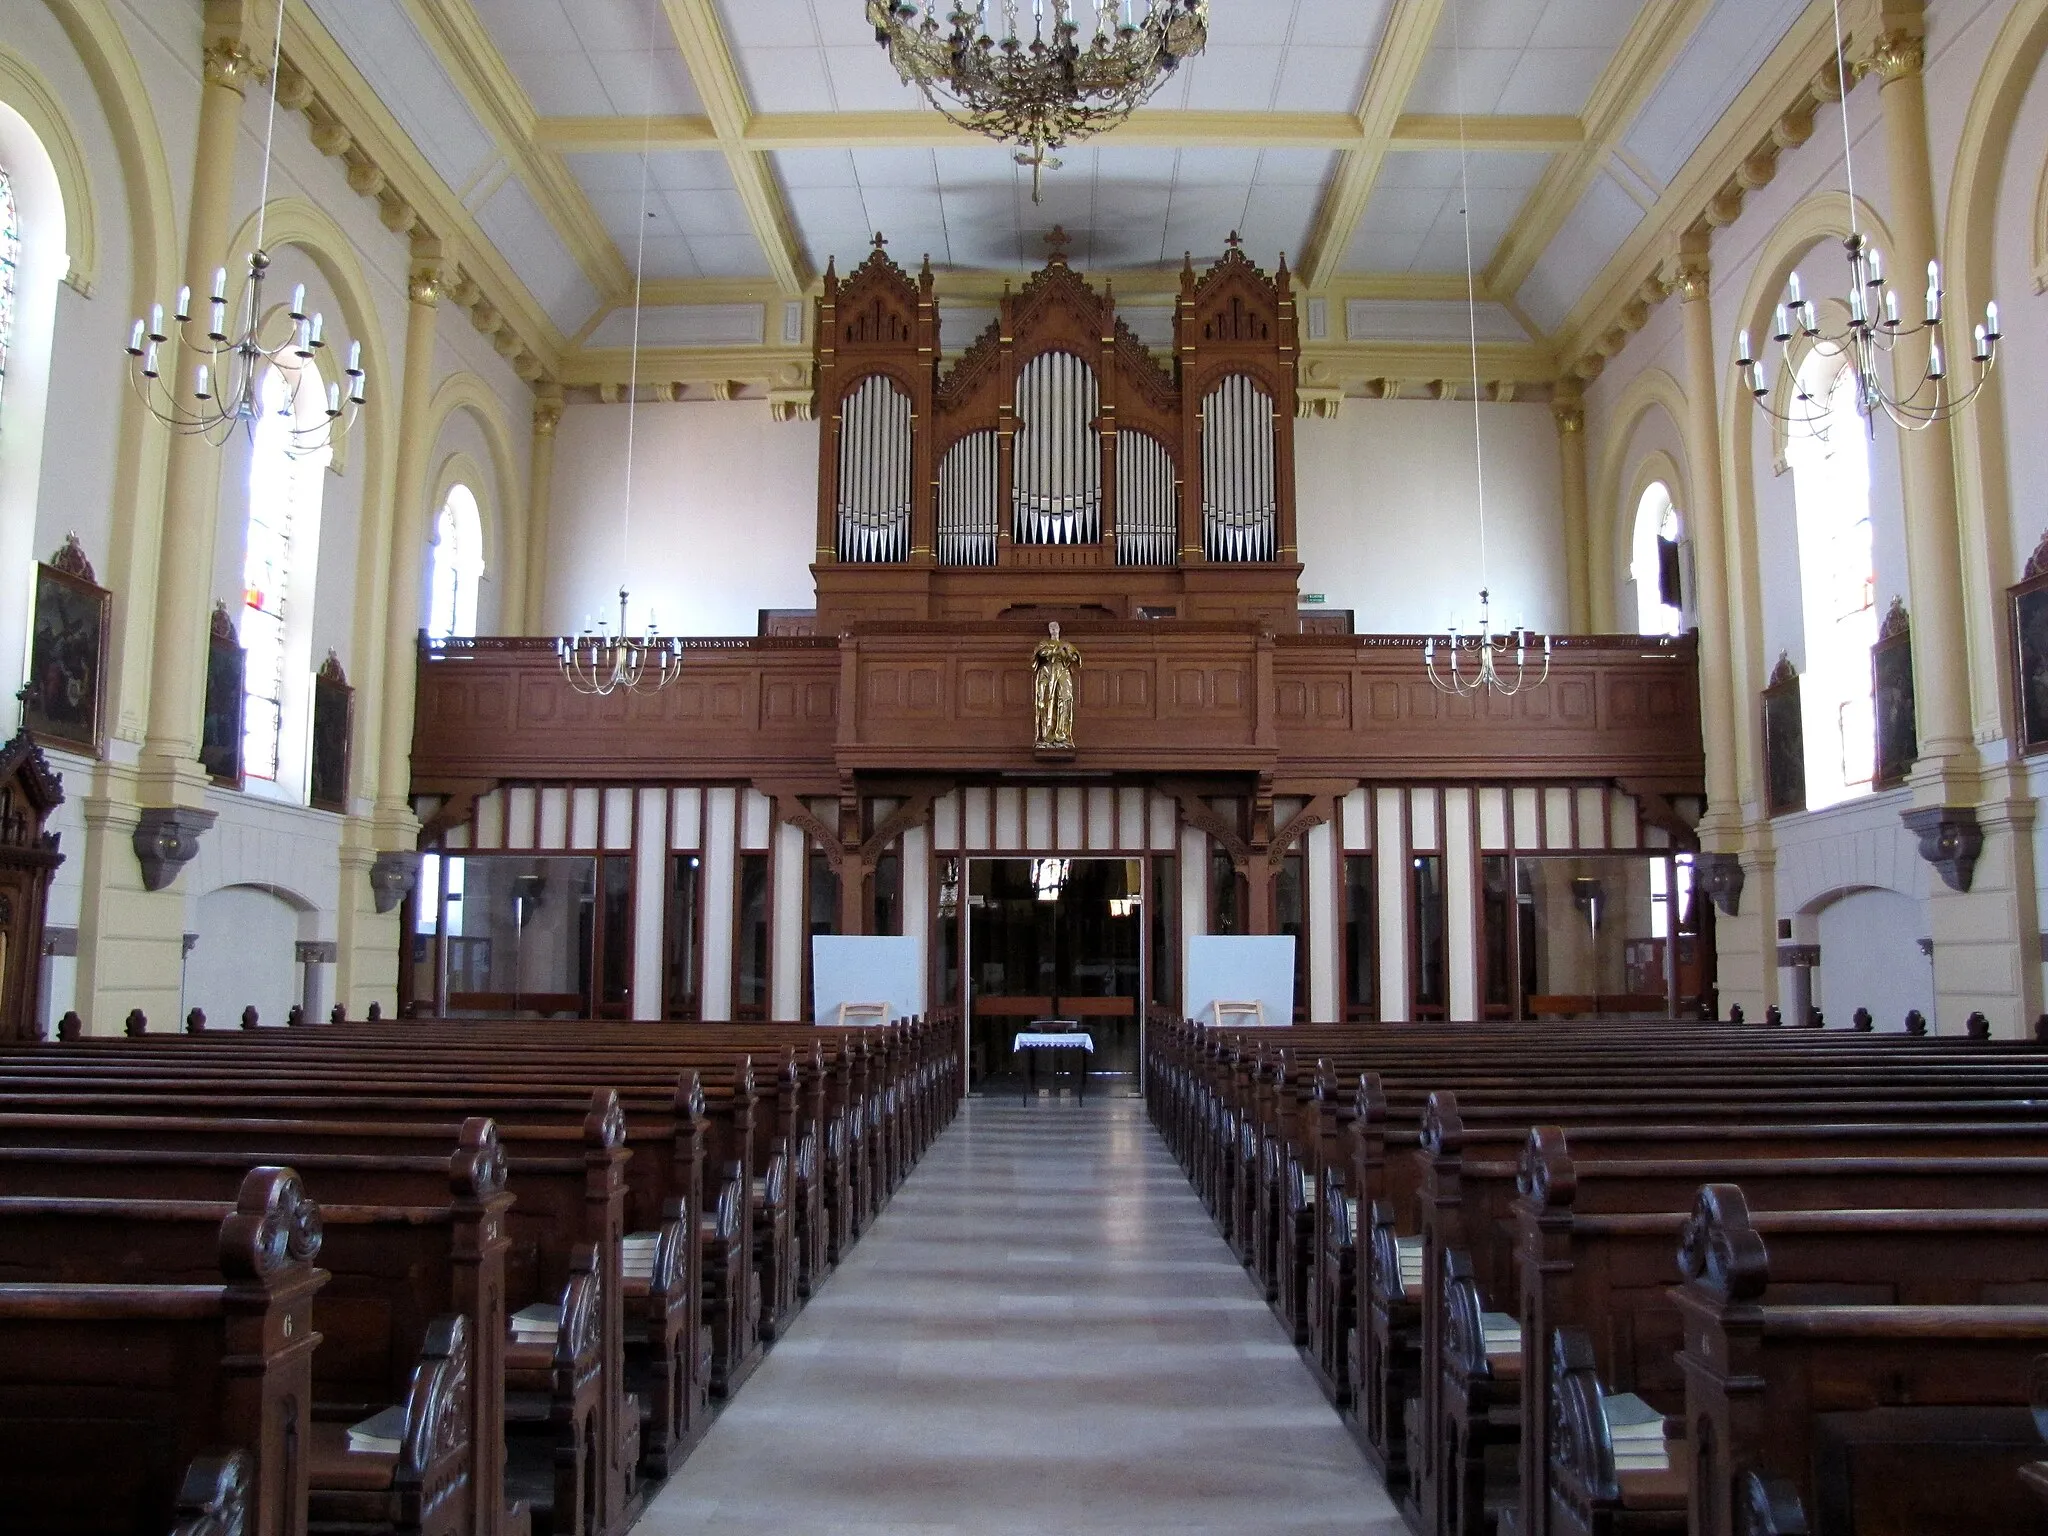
(1661, 29)
(928, 130)
(1402, 51)
(709, 59)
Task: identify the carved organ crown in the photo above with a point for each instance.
(1058, 462)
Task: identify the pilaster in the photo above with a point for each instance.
(540, 501)
(131, 945)
(1569, 412)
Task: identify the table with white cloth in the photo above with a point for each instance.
(1052, 1035)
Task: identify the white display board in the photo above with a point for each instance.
(866, 970)
(1259, 970)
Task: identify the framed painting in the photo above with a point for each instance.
(1784, 742)
(220, 734)
(1891, 678)
(334, 704)
(64, 693)
(2027, 613)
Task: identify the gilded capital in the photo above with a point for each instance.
(547, 415)
(1693, 279)
(429, 282)
(1898, 55)
(1570, 417)
(230, 64)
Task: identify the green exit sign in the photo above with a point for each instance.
(1311, 597)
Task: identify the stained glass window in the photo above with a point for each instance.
(10, 260)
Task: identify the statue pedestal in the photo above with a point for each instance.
(1046, 754)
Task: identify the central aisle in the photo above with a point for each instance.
(1043, 1333)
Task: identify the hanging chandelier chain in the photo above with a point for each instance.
(1041, 89)
(227, 367)
(1875, 328)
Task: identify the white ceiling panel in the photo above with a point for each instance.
(696, 224)
(592, 58)
(1605, 217)
(523, 235)
(1706, 77)
(384, 44)
(1414, 221)
(1520, 56)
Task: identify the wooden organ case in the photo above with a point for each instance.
(1058, 468)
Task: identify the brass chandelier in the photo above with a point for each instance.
(1034, 82)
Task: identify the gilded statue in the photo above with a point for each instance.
(1053, 665)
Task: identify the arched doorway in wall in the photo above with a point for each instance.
(1870, 957)
(244, 954)
(1655, 567)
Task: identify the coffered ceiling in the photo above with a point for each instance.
(1348, 134)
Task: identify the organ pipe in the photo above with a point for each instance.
(875, 474)
(1057, 492)
(968, 501)
(1147, 520)
(1239, 504)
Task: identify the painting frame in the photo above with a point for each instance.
(220, 735)
(2026, 610)
(1891, 694)
(332, 755)
(1784, 722)
(63, 697)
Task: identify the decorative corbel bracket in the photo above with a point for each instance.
(392, 876)
(167, 839)
(1950, 840)
(1722, 876)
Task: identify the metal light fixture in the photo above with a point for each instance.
(228, 366)
(1033, 82)
(596, 661)
(1875, 329)
(1485, 651)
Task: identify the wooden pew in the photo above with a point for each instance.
(112, 1389)
(411, 1243)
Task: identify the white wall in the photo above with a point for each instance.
(244, 956)
(1387, 513)
(724, 516)
(1870, 958)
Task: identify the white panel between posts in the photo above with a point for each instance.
(686, 821)
(974, 818)
(1038, 828)
(650, 902)
(1557, 818)
(522, 805)
(1391, 865)
(458, 838)
(1528, 820)
(554, 817)
(917, 890)
(1132, 834)
(1461, 898)
(1324, 919)
(1355, 810)
(1624, 831)
(1423, 835)
(946, 822)
(785, 996)
(583, 818)
(1592, 818)
(1493, 820)
(490, 820)
(1009, 819)
(1194, 886)
(756, 822)
(721, 830)
(618, 820)
(1101, 805)
(1165, 816)
(1070, 820)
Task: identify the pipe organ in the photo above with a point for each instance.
(1058, 464)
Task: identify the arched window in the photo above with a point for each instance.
(1653, 562)
(285, 489)
(1830, 459)
(10, 262)
(458, 566)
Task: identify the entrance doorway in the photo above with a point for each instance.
(1054, 938)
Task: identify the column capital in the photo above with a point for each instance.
(230, 64)
(1692, 277)
(547, 413)
(433, 274)
(1570, 416)
(1898, 55)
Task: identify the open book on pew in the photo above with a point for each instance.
(381, 1434)
(1408, 1251)
(537, 1324)
(638, 1254)
(1636, 1431)
(1503, 1337)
